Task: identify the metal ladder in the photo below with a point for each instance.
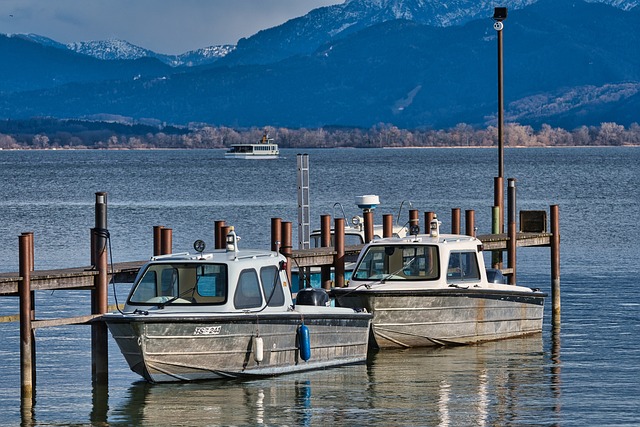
(304, 230)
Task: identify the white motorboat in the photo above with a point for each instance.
(432, 290)
(354, 235)
(230, 314)
(266, 149)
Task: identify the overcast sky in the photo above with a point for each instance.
(164, 26)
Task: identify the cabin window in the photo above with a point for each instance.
(270, 278)
(211, 285)
(248, 291)
(399, 262)
(146, 288)
(184, 283)
(463, 266)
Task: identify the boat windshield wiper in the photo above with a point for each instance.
(170, 300)
(393, 274)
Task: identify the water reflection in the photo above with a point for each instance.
(499, 383)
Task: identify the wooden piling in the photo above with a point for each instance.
(157, 240)
(455, 221)
(287, 244)
(470, 222)
(387, 225)
(167, 241)
(219, 238)
(27, 344)
(497, 219)
(428, 217)
(512, 230)
(414, 222)
(368, 225)
(99, 336)
(325, 242)
(31, 256)
(338, 259)
(555, 265)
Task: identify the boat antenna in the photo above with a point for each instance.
(338, 204)
(400, 210)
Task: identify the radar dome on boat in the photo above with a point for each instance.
(367, 202)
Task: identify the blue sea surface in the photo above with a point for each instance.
(583, 373)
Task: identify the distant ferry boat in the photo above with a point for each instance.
(265, 149)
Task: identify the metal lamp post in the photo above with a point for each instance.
(499, 15)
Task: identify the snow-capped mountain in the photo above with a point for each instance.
(110, 49)
(121, 49)
(114, 49)
(303, 35)
(564, 66)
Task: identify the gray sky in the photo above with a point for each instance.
(164, 26)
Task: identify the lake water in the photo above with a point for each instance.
(583, 374)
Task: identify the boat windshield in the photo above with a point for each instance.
(181, 283)
(399, 262)
(350, 239)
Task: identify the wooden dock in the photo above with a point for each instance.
(96, 278)
(125, 272)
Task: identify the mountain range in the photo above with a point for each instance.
(410, 63)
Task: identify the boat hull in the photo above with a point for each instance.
(424, 318)
(252, 156)
(163, 349)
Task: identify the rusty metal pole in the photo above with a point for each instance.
(368, 225)
(218, 238)
(167, 241)
(325, 242)
(555, 264)
(99, 336)
(338, 258)
(414, 221)
(276, 234)
(287, 244)
(498, 218)
(27, 366)
(428, 217)
(29, 235)
(157, 240)
(470, 222)
(224, 230)
(387, 225)
(512, 242)
(455, 221)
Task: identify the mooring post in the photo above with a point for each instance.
(325, 242)
(455, 221)
(387, 225)
(27, 366)
(31, 255)
(414, 222)
(99, 337)
(555, 264)
(167, 241)
(287, 244)
(276, 234)
(497, 218)
(512, 242)
(157, 240)
(338, 258)
(428, 217)
(219, 238)
(368, 225)
(470, 222)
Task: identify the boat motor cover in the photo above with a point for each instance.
(312, 296)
